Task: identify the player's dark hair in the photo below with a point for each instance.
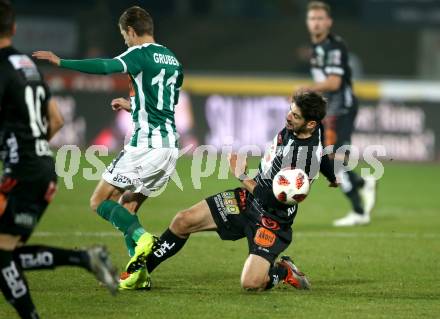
(312, 105)
(137, 18)
(7, 18)
(319, 5)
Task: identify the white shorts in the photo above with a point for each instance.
(141, 170)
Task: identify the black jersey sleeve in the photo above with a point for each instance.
(327, 166)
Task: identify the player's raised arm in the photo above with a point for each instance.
(47, 55)
(92, 66)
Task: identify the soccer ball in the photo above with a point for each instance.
(291, 186)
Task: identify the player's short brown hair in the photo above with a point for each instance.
(312, 105)
(7, 19)
(319, 5)
(137, 18)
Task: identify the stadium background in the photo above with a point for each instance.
(228, 50)
(242, 60)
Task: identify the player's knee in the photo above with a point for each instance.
(94, 203)
(182, 223)
(253, 281)
(252, 284)
(128, 203)
(132, 207)
(125, 199)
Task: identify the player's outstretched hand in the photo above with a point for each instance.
(47, 55)
(121, 104)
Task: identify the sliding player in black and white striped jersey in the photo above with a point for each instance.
(252, 211)
(288, 150)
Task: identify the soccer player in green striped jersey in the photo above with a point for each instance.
(149, 158)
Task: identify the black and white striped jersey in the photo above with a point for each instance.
(287, 151)
(331, 57)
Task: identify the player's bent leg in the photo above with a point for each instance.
(114, 212)
(195, 219)
(136, 275)
(127, 223)
(259, 274)
(132, 201)
(104, 201)
(255, 274)
(104, 191)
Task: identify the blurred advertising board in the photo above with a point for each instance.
(54, 34)
(238, 111)
(404, 12)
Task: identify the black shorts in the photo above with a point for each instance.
(22, 203)
(266, 237)
(339, 128)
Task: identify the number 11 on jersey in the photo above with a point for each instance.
(171, 82)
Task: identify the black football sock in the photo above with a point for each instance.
(167, 246)
(276, 274)
(349, 186)
(44, 257)
(353, 195)
(14, 286)
(355, 201)
(355, 179)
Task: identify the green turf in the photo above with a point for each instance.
(389, 269)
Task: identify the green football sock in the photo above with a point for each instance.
(105, 208)
(122, 219)
(137, 233)
(131, 245)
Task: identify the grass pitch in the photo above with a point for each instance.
(389, 269)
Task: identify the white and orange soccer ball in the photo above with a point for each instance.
(291, 186)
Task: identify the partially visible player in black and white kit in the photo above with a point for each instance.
(29, 118)
(332, 76)
(252, 211)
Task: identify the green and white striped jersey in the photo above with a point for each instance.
(156, 78)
